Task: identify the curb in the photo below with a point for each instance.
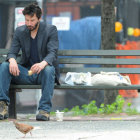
(84, 118)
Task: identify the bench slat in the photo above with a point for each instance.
(2, 59)
(93, 61)
(99, 52)
(97, 70)
(91, 52)
(99, 61)
(65, 86)
(3, 51)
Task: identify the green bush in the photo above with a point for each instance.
(91, 108)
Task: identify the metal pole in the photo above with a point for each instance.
(44, 10)
(38, 91)
(39, 3)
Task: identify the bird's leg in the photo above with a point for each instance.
(31, 133)
(24, 136)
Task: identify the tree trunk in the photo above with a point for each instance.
(108, 39)
(108, 24)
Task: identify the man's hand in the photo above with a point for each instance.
(36, 68)
(13, 67)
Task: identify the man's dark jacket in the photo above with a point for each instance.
(47, 42)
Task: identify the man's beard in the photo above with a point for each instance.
(31, 28)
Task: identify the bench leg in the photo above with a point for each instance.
(12, 106)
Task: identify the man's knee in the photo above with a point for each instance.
(49, 70)
(4, 66)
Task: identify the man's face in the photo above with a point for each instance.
(31, 22)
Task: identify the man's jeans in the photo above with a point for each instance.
(46, 78)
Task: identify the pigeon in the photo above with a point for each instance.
(24, 128)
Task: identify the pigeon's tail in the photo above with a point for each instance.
(36, 127)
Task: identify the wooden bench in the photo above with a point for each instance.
(75, 61)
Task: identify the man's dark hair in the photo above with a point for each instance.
(32, 9)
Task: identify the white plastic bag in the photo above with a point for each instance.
(73, 78)
(110, 78)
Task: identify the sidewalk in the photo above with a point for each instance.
(122, 117)
(80, 129)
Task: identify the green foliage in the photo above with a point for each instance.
(116, 107)
(52, 113)
(77, 111)
(65, 110)
(131, 111)
(91, 108)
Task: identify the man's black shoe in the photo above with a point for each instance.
(43, 116)
(3, 110)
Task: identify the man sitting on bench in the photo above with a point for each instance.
(38, 42)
